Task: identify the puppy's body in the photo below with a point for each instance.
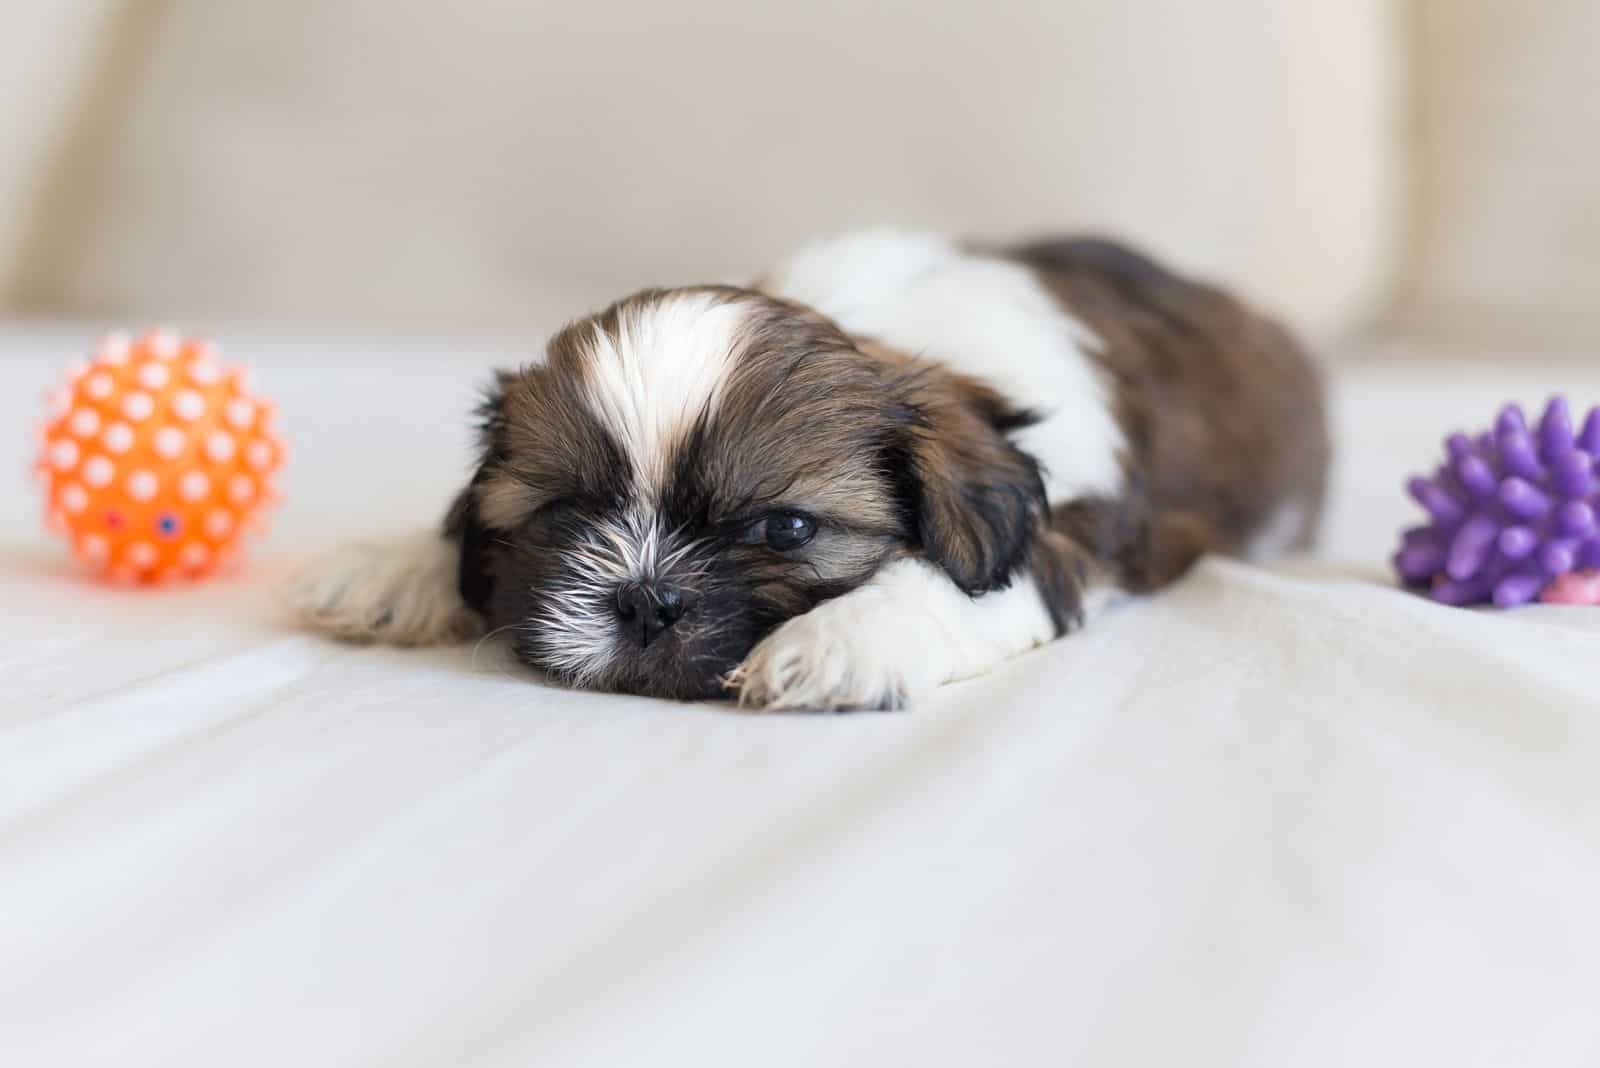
(893, 463)
(986, 316)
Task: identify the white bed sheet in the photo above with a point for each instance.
(1272, 817)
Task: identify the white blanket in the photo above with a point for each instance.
(1271, 817)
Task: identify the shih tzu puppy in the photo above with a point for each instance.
(894, 462)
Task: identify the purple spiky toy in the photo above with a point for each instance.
(1511, 511)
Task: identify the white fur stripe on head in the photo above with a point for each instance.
(663, 371)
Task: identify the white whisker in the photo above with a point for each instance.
(472, 659)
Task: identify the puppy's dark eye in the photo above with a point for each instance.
(781, 531)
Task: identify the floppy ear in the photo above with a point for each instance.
(977, 500)
(474, 580)
(464, 523)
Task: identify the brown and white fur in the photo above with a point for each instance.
(894, 462)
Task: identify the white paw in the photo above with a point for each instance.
(843, 655)
(402, 592)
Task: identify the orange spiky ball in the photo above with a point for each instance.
(157, 458)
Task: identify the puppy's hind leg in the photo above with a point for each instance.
(402, 591)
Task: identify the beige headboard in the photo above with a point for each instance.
(1507, 206)
(410, 162)
(49, 55)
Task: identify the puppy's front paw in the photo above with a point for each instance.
(402, 592)
(832, 659)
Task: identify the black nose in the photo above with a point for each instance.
(647, 609)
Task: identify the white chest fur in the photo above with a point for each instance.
(980, 316)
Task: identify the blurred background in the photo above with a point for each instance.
(1391, 174)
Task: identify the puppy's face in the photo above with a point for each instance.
(690, 468)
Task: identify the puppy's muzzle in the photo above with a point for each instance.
(647, 609)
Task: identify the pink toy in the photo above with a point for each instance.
(1575, 587)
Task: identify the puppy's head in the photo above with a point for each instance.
(690, 468)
